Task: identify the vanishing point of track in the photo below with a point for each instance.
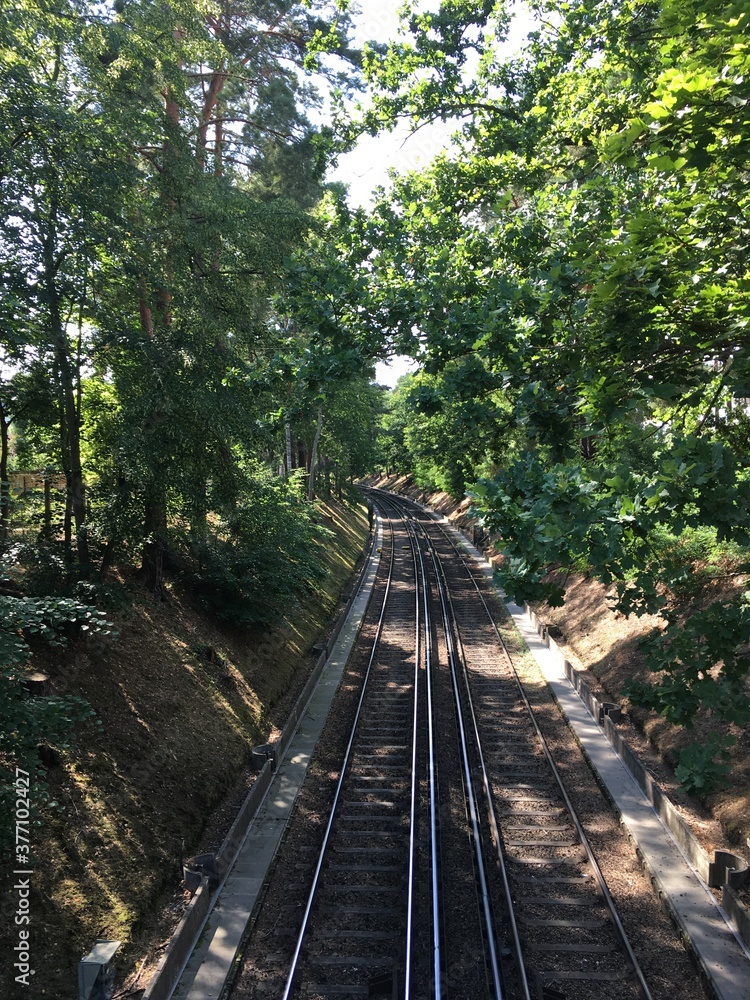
(451, 863)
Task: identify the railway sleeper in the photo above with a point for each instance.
(354, 962)
(345, 933)
(365, 817)
(583, 923)
(371, 869)
(593, 975)
(371, 889)
(381, 911)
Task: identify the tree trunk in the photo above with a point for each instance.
(76, 491)
(288, 433)
(68, 522)
(314, 456)
(4, 481)
(108, 556)
(154, 546)
(588, 448)
(218, 144)
(155, 498)
(586, 445)
(199, 523)
(211, 104)
(47, 524)
(67, 397)
(154, 505)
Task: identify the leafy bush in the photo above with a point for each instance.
(41, 567)
(673, 527)
(263, 555)
(699, 771)
(554, 517)
(685, 563)
(703, 662)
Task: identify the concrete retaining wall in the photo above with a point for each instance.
(180, 946)
(666, 812)
(228, 850)
(737, 911)
(183, 940)
(304, 696)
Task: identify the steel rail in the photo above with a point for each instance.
(437, 965)
(486, 785)
(471, 798)
(495, 830)
(411, 875)
(293, 968)
(435, 895)
(487, 788)
(481, 866)
(641, 983)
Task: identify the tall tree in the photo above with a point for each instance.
(60, 201)
(185, 327)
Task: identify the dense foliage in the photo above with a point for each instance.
(573, 276)
(26, 723)
(163, 404)
(159, 170)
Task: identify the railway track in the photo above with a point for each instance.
(452, 863)
(568, 937)
(358, 920)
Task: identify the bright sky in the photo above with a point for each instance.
(366, 167)
(388, 374)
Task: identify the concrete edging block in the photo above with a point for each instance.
(180, 945)
(737, 911)
(231, 844)
(665, 810)
(304, 696)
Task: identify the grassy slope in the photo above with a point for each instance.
(181, 702)
(606, 645)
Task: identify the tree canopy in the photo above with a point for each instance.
(572, 275)
(161, 172)
(159, 167)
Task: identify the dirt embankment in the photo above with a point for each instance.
(180, 701)
(605, 647)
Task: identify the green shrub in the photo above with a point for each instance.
(703, 666)
(699, 771)
(685, 563)
(262, 557)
